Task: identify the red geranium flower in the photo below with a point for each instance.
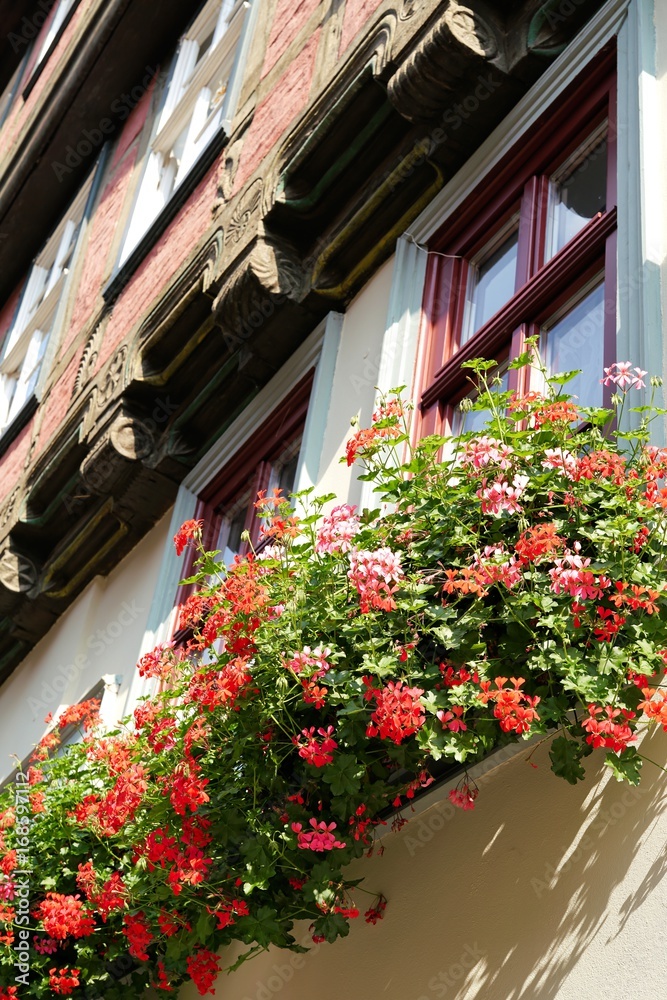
(189, 529)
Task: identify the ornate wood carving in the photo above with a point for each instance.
(247, 207)
(9, 508)
(89, 358)
(108, 386)
(458, 45)
(125, 439)
(231, 158)
(18, 573)
(270, 273)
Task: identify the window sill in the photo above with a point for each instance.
(199, 169)
(13, 429)
(39, 68)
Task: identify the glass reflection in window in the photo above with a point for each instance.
(578, 192)
(576, 341)
(492, 284)
(232, 527)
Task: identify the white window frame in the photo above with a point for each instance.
(190, 113)
(24, 347)
(62, 10)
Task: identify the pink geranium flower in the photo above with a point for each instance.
(622, 375)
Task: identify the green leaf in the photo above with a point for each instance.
(343, 774)
(479, 364)
(561, 378)
(521, 361)
(176, 947)
(205, 925)
(566, 759)
(626, 766)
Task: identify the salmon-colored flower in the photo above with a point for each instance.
(188, 530)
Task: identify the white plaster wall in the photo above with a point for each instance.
(355, 378)
(99, 634)
(543, 891)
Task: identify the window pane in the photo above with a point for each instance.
(233, 524)
(8, 384)
(493, 285)
(287, 475)
(474, 420)
(578, 196)
(283, 470)
(576, 342)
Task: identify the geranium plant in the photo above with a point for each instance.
(509, 586)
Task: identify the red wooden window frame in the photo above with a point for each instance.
(250, 469)
(520, 184)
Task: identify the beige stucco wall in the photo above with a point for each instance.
(99, 634)
(543, 891)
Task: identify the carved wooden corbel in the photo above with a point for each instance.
(124, 440)
(270, 273)
(459, 45)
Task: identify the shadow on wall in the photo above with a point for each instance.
(544, 891)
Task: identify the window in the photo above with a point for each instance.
(577, 192)
(237, 515)
(56, 23)
(193, 108)
(491, 280)
(268, 460)
(22, 353)
(68, 725)
(574, 339)
(530, 253)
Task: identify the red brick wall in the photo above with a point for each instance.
(54, 409)
(100, 242)
(155, 272)
(278, 109)
(12, 462)
(99, 262)
(357, 13)
(290, 17)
